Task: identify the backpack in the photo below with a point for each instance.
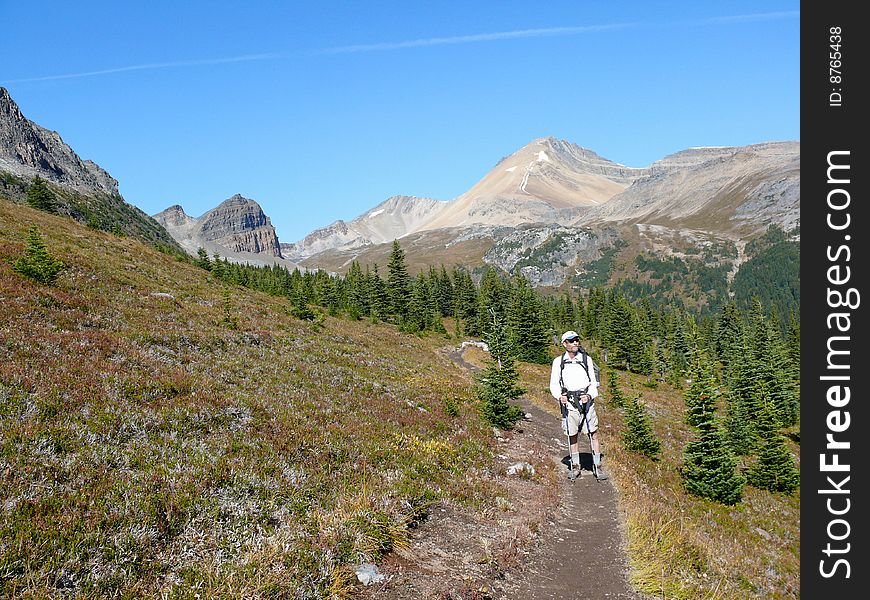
(585, 364)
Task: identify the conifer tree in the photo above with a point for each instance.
(793, 345)
(202, 261)
(617, 398)
(775, 470)
(528, 327)
(398, 282)
(466, 302)
(729, 333)
(40, 197)
(497, 384)
(594, 316)
(434, 308)
(300, 298)
(37, 263)
(357, 292)
(738, 425)
(217, 266)
(661, 361)
(579, 316)
(703, 384)
(443, 291)
(492, 297)
(419, 316)
(768, 353)
(565, 314)
(329, 295)
(379, 301)
(229, 319)
(743, 381)
(640, 344)
(678, 345)
(709, 466)
(638, 435)
(617, 331)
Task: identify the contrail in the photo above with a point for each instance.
(771, 16)
(479, 37)
(550, 31)
(152, 66)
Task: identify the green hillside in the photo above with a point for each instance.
(157, 433)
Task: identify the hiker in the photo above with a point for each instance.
(574, 384)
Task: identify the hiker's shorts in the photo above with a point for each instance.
(574, 418)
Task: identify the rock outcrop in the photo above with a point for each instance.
(393, 218)
(28, 150)
(240, 224)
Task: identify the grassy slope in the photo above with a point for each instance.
(157, 438)
(422, 250)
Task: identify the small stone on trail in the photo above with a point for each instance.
(520, 467)
(368, 574)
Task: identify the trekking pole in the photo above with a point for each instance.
(589, 435)
(571, 474)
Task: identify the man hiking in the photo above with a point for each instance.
(573, 383)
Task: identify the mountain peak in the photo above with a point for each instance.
(237, 229)
(8, 107)
(239, 200)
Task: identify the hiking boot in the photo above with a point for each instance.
(600, 475)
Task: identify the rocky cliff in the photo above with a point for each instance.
(27, 150)
(236, 229)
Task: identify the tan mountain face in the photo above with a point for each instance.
(390, 220)
(585, 207)
(544, 182)
(734, 190)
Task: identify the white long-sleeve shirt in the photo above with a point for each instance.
(574, 375)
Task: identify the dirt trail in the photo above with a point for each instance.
(581, 555)
(576, 553)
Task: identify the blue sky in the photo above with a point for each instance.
(321, 110)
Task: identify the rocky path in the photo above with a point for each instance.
(576, 550)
